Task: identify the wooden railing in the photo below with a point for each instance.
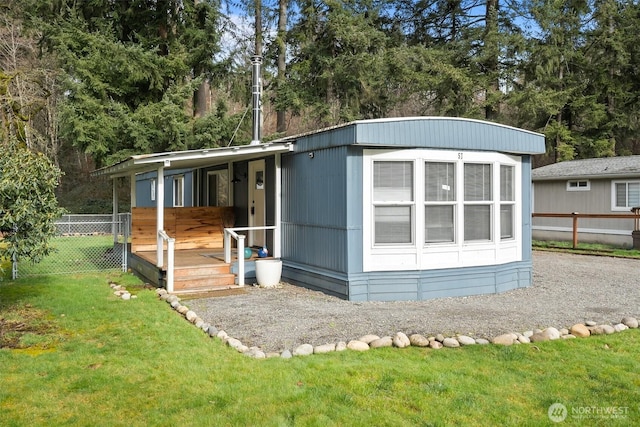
(230, 233)
(576, 215)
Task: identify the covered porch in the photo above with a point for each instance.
(187, 238)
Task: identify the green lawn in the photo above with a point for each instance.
(586, 248)
(81, 356)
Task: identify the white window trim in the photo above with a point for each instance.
(615, 208)
(578, 188)
(178, 180)
(426, 256)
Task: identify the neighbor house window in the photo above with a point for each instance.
(393, 202)
(626, 195)
(440, 202)
(578, 185)
(478, 200)
(507, 201)
(178, 191)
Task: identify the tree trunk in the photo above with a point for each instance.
(281, 125)
(492, 51)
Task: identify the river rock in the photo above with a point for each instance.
(465, 340)
(579, 330)
(619, 327)
(222, 335)
(356, 345)
(175, 304)
(418, 340)
(401, 340)
(527, 333)
(381, 342)
(126, 296)
(234, 343)
(608, 329)
(198, 322)
(568, 336)
(191, 316)
(368, 338)
(539, 337)
(255, 353)
(303, 350)
(450, 342)
(172, 298)
(341, 346)
(552, 333)
(524, 340)
(205, 326)
(182, 309)
(440, 337)
(631, 322)
(504, 339)
(161, 291)
(482, 341)
(324, 348)
(590, 323)
(212, 331)
(286, 354)
(435, 344)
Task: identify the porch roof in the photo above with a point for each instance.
(190, 158)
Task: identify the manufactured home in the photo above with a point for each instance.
(372, 210)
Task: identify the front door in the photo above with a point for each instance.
(257, 215)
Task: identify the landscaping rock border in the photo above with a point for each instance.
(400, 339)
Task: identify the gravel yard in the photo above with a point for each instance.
(566, 289)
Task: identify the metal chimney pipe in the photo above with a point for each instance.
(256, 62)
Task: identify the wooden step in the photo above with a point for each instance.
(205, 270)
(196, 282)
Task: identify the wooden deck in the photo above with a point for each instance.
(195, 270)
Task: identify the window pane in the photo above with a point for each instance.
(621, 195)
(633, 195)
(507, 192)
(440, 184)
(392, 181)
(477, 222)
(438, 224)
(477, 182)
(506, 221)
(393, 224)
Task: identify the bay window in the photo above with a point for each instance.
(440, 208)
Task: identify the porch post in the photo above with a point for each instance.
(114, 216)
(132, 192)
(159, 216)
(277, 251)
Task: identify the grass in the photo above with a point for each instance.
(87, 358)
(74, 254)
(586, 248)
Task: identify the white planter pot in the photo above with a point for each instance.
(268, 272)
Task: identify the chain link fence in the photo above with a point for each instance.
(83, 243)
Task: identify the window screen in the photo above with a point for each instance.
(393, 202)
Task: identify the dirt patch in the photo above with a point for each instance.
(18, 323)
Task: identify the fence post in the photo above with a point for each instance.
(575, 229)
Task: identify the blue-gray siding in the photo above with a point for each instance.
(143, 188)
(430, 132)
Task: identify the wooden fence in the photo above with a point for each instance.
(635, 216)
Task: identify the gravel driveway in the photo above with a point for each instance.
(566, 289)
